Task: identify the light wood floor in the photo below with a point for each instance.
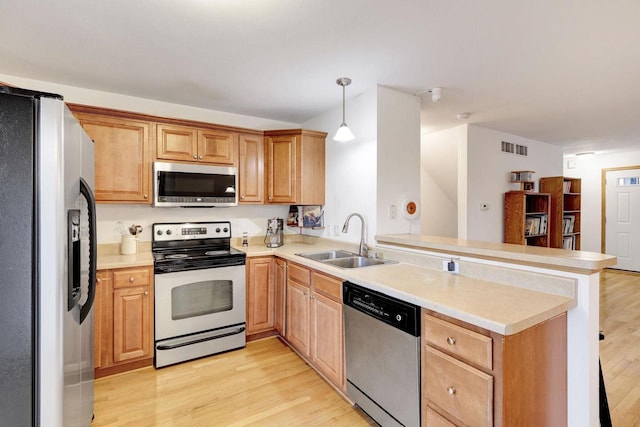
(265, 384)
(620, 351)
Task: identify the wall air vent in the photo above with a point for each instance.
(509, 147)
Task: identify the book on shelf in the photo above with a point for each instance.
(535, 224)
(569, 242)
(566, 186)
(568, 222)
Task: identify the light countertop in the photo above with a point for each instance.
(494, 306)
(558, 259)
(497, 307)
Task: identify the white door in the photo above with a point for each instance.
(622, 216)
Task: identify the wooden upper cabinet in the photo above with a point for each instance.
(217, 146)
(251, 168)
(176, 143)
(183, 143)
(295, 166)
(122, 157)
(281, 169)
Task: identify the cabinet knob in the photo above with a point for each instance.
(241, 197)
(195, 157)
(451, 391)
(270, 198)
(146, 292)
(312, 297)
(305, 293)
(200, 157)
(98, 281)
(451, 341)
(131, 279)
(146, 196)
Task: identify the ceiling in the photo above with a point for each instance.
(564, 72)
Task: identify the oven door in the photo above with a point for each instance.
(193, 301)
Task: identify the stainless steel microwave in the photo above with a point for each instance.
(186, 185)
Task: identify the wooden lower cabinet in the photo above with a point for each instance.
(280, 304)
(260, 294)
(123, 320)
(475, 377)
(314, 320)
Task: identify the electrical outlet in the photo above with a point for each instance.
(336, 230)
(451, 266)
(484, 206)
(393, 212)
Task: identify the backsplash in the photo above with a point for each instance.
(245, 218)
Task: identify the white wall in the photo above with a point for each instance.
(350, 166)
(439, 181)
(488, 176)
(398, 158)
(590, 171)
(117, 101)
(252, 219)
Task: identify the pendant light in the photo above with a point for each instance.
(343, 134)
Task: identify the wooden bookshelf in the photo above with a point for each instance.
(565, 219)
(526, 218)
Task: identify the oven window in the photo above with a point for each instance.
(201, 298)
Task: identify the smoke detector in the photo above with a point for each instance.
(436, 94)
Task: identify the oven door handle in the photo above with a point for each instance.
(236, 331)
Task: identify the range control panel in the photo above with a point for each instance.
(191, 230)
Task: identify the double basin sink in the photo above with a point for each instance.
(343, 259)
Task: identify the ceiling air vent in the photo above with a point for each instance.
(509, 147)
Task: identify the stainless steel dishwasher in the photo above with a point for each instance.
(382, 348)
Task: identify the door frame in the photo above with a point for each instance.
(603, 181)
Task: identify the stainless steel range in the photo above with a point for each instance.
(199, 291)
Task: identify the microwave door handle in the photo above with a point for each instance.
(85, 190)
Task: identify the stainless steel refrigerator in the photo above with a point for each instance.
(47, 262)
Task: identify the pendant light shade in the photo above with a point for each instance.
(343, 134)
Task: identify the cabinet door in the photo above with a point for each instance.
(298, 317)
(281, 296)
(217, 146)
(102, 327)
(328, 348)
(176, 143)
(122, 158)
(260, 295)
(251, 169)
(131, 323)
(281, 166)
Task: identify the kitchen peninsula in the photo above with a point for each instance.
(502, 289)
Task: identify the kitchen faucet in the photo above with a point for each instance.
(363, 250)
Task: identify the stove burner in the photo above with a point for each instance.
(176, 256)
(210, 253)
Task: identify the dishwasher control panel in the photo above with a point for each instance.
(397, 313)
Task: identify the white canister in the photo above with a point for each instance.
(128, 244)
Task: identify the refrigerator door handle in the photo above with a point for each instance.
(85, 190)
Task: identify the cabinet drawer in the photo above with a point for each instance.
(459, 341)
(328, 286)
(434, 419)
(131, 277)
(462, 391)
(299, 274)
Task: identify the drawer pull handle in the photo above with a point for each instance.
(131, 279)
(451, 391)
(451, 341)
